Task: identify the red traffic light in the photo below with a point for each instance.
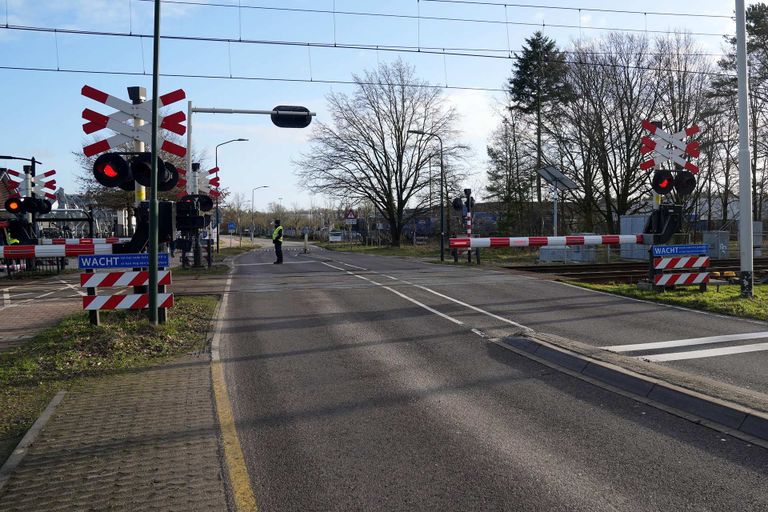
(662, 182)
(111, 170)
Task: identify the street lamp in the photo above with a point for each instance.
(218, 215)
(442, 206)
(253, 225)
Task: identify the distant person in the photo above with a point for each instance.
(277, 239)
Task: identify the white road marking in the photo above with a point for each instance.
(420, 304)
(352, 266)
(713, 352)
(269, 263)
(687, 342)
(73, 287)
(6, 297)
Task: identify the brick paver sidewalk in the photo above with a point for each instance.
(144, 440)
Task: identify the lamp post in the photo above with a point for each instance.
(218, 214)
(253, 208)
(442, 174)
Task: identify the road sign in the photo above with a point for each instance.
(679, 250)
(121, 261)
(231, 227)
(118, 121)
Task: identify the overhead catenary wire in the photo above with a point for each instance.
(420, 17)
(578, 8)
(503, 54)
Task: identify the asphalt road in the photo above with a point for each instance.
(355, 389)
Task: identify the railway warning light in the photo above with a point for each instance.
(114, 170)
(13, 205)
(662, 182)
(21, 205)
(685, 183)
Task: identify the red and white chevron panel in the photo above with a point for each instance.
(118, 121)
(53, 251)
(131, 301)
(681, 279)
(676, 262)
(63, 241)
(128, 278)
(538, 241)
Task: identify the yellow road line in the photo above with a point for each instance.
(233, 453)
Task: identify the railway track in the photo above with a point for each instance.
(626, 272)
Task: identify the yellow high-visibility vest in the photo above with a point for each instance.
(275, 232)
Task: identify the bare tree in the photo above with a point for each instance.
(367, 153)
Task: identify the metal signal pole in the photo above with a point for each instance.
(745, 174)
(153, 214)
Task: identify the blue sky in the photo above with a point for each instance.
(41, 110)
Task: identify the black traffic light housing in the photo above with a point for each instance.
(291, 120)
(662, 224)
(685, 183)
(166, 227)
(115, 170)
(662, 182)
(22, 205)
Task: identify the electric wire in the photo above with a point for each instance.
(588, 9)
(428, 18)
(504, 54)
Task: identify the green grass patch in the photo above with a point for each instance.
(62, 356)
(727, 301)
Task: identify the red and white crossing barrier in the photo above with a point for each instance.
(63, 241)
(53, 251)
(676, 262)
(550, 241)
(131, 301)
(127, 278)
(681, 279)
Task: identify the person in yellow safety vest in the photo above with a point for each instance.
(277, 239)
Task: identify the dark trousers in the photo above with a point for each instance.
(279, 251)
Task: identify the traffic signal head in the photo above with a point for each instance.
(21, 205)
(13, 205)
(685, 183)
(113, 170)
(294, 119)
(662, 182)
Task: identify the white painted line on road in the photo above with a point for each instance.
(337, 268)
(447, 317)
(688, 342)
(712, 352)
(73, 287)
(6, 297)
(352, 266)
(458, 322)
(475, 308)
(270, 263)
(41, 296)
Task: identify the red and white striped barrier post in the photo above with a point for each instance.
(94, 303)
(540, 241)
(664, 271)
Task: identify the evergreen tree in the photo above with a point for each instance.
(538, 83)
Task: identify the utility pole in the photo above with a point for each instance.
(745, 174)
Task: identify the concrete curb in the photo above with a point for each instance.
(730, 418)
(21, 449)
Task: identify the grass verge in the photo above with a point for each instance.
(727, 301)
(63, 356)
